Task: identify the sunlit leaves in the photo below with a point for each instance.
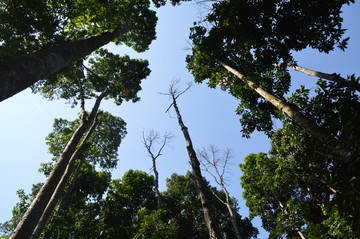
(102, 146)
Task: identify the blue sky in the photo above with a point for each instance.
(208, 113)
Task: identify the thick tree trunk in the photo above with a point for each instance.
(331, 77)
(19, 73)
(62, 184)
(29, 221)
(63, 201)
(314, 130)
(209, 214)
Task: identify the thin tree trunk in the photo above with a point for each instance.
(157, 191)
(215, 162)
(314, 130)
(231, 213)
(209, 214)
(149, 140)
(331, 77)
(28, 222)
(18, 73)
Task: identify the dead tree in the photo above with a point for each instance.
(149, 139)
(216, 165)
(209, 215)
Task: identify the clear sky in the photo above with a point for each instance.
(26, 119)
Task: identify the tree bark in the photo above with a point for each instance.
(29, 221)
(209, 214)
(61, 185)
(17, 74)
(157, 191)
(314, 130)
(331, 77)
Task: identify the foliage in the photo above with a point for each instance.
(156, 225)
(102, 150)
(181, 201)
(252, 36)
(299, 184)
(97, 207)
(32, 25)
(120, 76)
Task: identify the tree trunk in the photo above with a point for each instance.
(18, 73)
(314, 130)
(28, 222)
(209, 214)
(331, 77)
(231, 213)
(64, 200)
(157, 191)
(61, 185)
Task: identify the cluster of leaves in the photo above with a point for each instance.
(126, 208)
(101, 148)
(299, 185)
(32, 25)
(119, 76)
(252, 36)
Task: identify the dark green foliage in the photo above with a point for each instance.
(96, 207)
(319, 192)
(251, 36)
(182, 202)
(102, 149)
(31, 25)
(107, 72)
(27, 26)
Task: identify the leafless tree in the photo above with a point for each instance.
(209, 215)
(215, 164)
(149, 140)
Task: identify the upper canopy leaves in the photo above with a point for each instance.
(31, 25)
(252, 36)
(107, 72)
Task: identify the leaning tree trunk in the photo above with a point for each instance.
(313, 129)
(63, 201)
(231, 212)
(18, 73)
(29, 221)
(209, 214)
(62, 184)
(331, 77)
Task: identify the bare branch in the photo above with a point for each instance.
(149, 139)
(174, 93)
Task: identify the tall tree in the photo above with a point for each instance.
(61, 32)
(317, 132)
(89, 181)
(111, 76)
(250, 36)
(208, 211)
(300, 179)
